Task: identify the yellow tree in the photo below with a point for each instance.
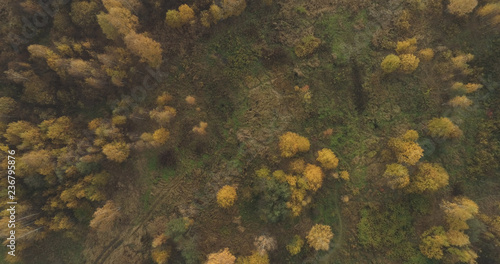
(290, 143)
(59, 130)
(226, 196)
(221, 257)
(406, 148)
(314, 176)
(390, 63)
(186, 14)
(429, 177)
(160, 256)
(146, 48)
(460, 101)
(118, 21)
(433, 241)
(407, 46)
(232, 7)
(319, 237)
(409, 63)
(173, 19)
(163, 115)
(116, 151)
(397, 176)
(444, 128)
(327, 159)
(295, 246)
(160, 136)
(459, 211)
(461, 7)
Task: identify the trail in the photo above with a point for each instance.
(339, 235)
(172, 187)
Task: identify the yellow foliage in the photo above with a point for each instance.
(173, 19)
(160, 256)
(279, 175)
(290, 143)
(319, 237)
(461, 7)
(459, 211)
(406, 149)
(409, 63)
(460, 101)
(118, 120)
(205, 18)
(232, 7)
(314, 176)
(433, 241)
(443, 127)
(221, 257)
(186, 14)
(489, 9)
(460, 62)
(201, 128)
(161, 136)
(426, 54)
(146, 48)
(295, 246)
(390, 63)
(407, 46)
(344, 175)
(327, 159)
(255, 258)
(116, 151)
(159, 240)
(226, 196)
(429, 176)
(297, 165)
(163, 99)
(163, 116)
(263, 172)
(472, 87)
(190, 100)
(397, 176)
(457, 238)
(216, 13)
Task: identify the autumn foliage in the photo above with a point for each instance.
(327, 159)
(319, 237)
(226, 196)
(221, 257)
(406, 148)
(290, 143)
(443, 128)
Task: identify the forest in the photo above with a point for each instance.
(250, 132)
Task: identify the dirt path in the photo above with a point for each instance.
(168, 188)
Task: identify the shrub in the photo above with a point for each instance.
(226, 196)
(307, 46)
(390, 63)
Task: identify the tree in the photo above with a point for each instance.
(433, 241)
(117, 22)
(314, 176)
(186, 14)
(459, 211)
(396, 175)
(161, 136)
(160, 256)
(59, 130)
(39, 161)
(15, 130)
(443, 128)
(407, 46)
(7, 106)
(429, 177)
(221, 257)
(84, 13)
(232, 7)
(201, 128)
(116, 151)
(163, 115)
(216, 13)
(426, 54)
(255, 258)
(460, 101)
(390, 63)
(146, 48)
(319, 237)
(409, 63)
(461, 7)
(327, 159)
(37, 90)
(226, 196)
(295, 246)
(264, 244)
(290, 143)
(104, 217)
(406, 148)
(173, 19)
